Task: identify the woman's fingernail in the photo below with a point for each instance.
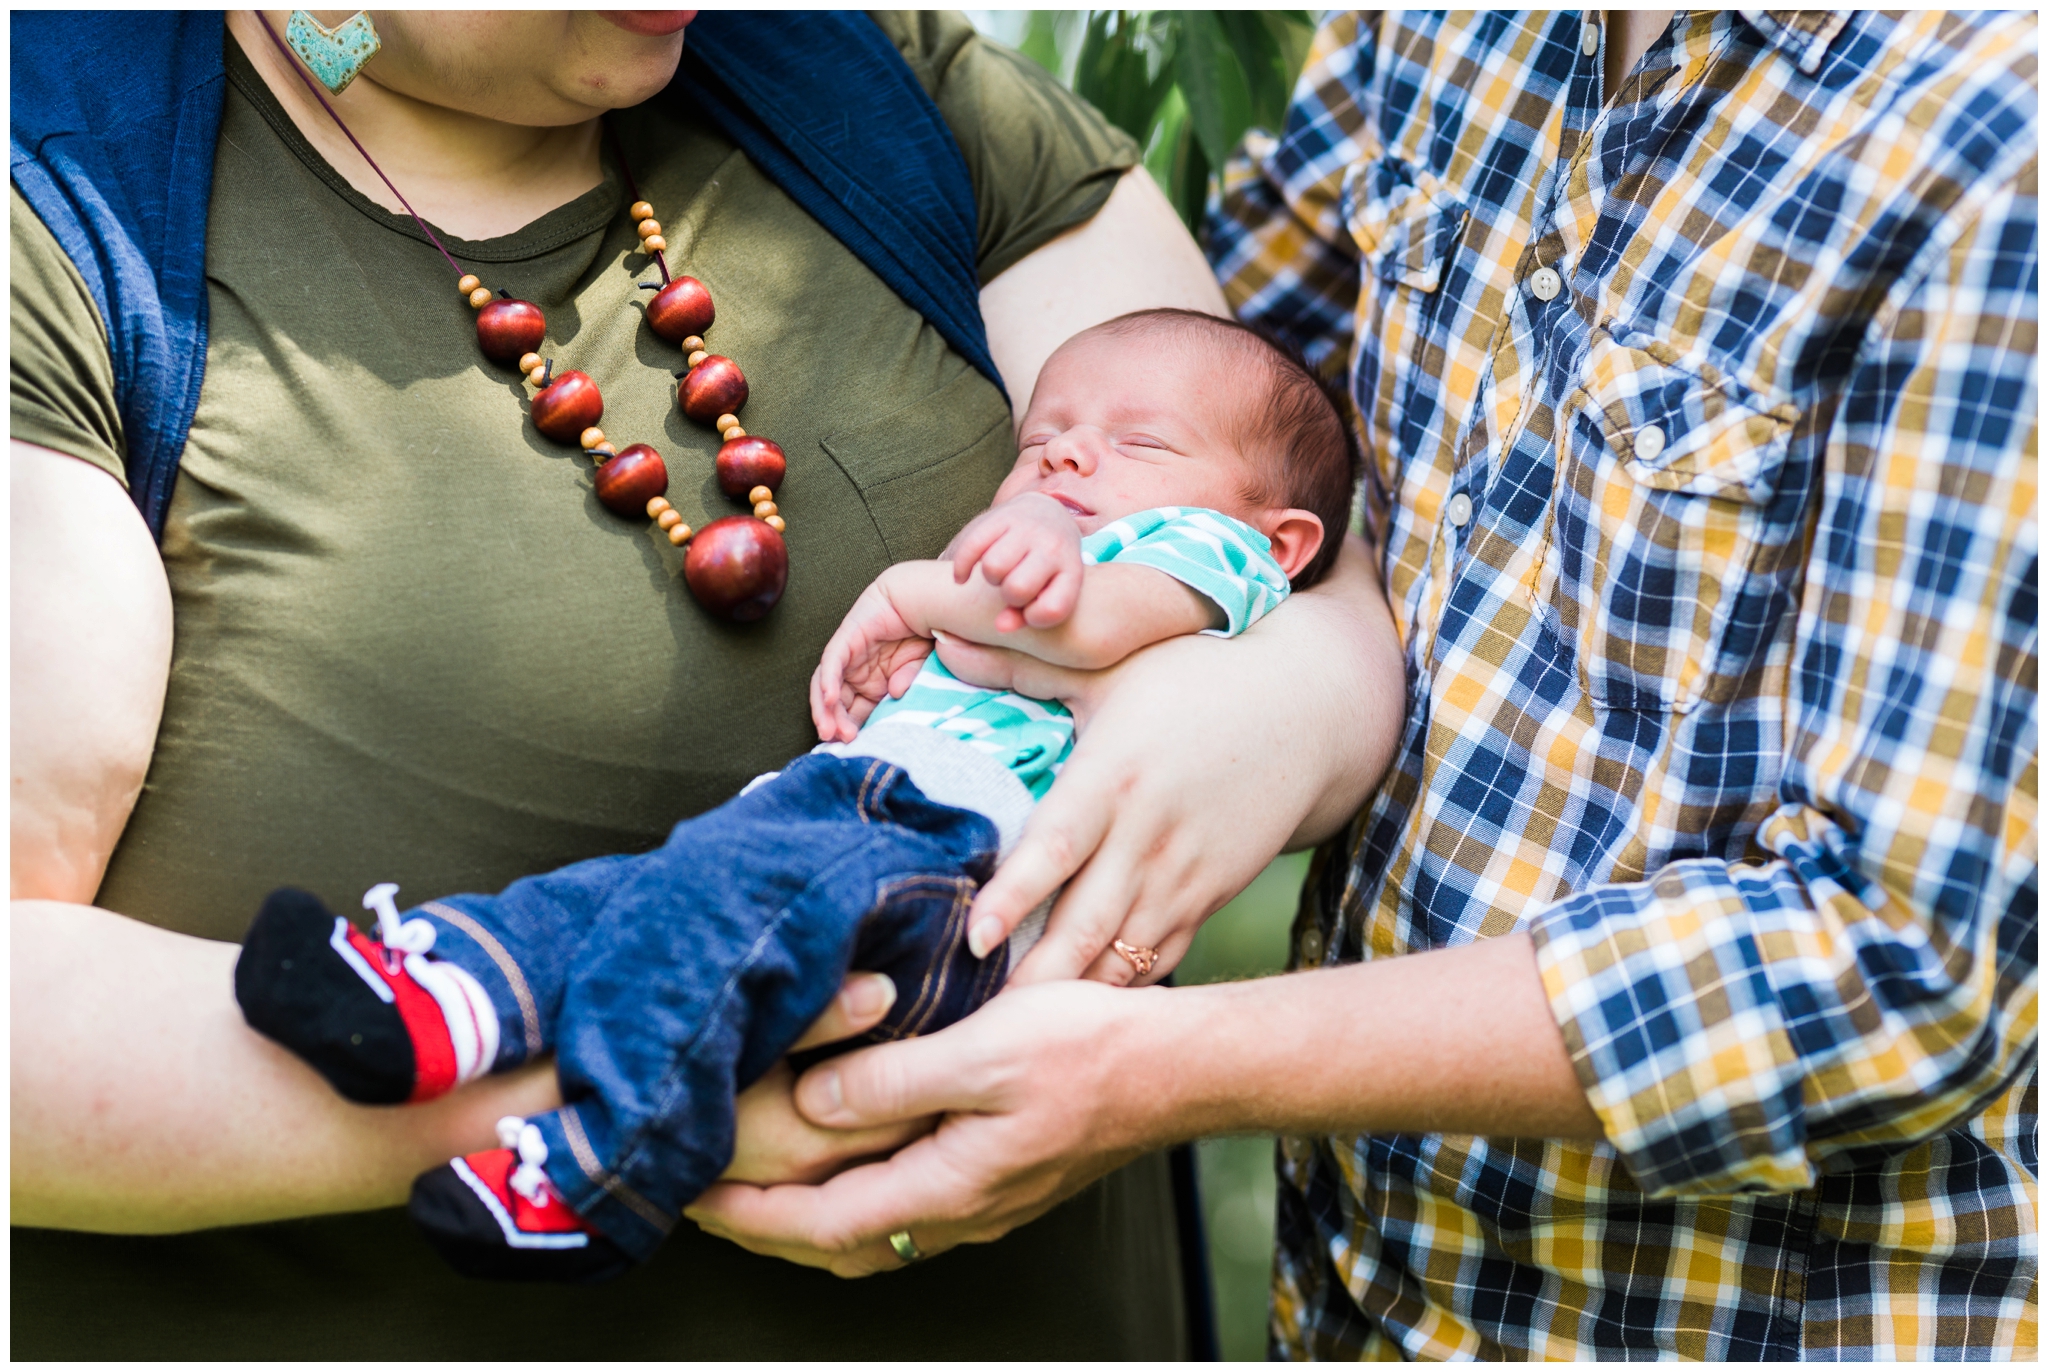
(828, 1082)
(984, 936)
(868, 997)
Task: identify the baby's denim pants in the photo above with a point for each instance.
(666, 983)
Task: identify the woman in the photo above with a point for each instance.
(409, 646)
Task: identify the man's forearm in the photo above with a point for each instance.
(141, 1103)
(1457, 1041)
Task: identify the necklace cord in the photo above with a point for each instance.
(298, 71)
(291, 60)
(632, 189)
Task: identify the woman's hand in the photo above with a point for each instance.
(1198, 760)
(1041, 1100)
(774, 1142)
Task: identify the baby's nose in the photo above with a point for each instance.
(1074, 450)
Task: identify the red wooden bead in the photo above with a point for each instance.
(507, 328)
(627, 482)
(736, 567)
(744, 463)
(681, 308)
(714, 387)
(569, 405)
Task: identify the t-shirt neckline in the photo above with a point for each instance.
(590, 212)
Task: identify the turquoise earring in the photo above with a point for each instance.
(335, 56)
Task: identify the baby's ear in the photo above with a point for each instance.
(1296, 536)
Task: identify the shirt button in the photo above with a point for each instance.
(1459, 510)
(1649, 442)
(1544, 284)
(1589, 38)
(1311, 947)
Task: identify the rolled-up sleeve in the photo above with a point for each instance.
(1869, 978)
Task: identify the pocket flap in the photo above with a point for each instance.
(1686, 430)
(1404, 220)
(927, 468)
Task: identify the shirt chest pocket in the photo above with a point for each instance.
(1406, 224)
(1672, 541)
(924, 470)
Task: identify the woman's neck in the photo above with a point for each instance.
(474, 177)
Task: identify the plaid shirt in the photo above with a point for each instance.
(1701, 445)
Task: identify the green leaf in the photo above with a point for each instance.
(1213, 81)
(1115, 70)
(1296, 32)
(1041, 41)
(1176, 162)
(1268, 77)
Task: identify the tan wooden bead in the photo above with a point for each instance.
(668, 519)
(641, 210)
(466, 285)
(693, 344)
(734, 432)
(759, 494)
(764, 508)
(528, 362)
(679, 535)
(775, 522)
(654, 244)
(649, 227)
(697, 356)
(479, 298)
(592, 437)
(657, 505)
(602, 452)
(724, 422)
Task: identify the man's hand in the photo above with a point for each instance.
(1029, 549)
(873, 656)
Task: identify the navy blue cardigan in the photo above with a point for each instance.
(115, 116)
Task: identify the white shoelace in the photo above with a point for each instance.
(527, 1178)
(472, 1019)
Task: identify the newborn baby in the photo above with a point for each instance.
(1177, 475)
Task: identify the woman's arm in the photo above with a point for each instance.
(1199, 760)
(1135, 254)
(1052, 1086)
(140, 1101)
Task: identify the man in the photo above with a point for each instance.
(1694, 362)
(1698, 393)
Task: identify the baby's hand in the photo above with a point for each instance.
(1030, 549)
(873, 656)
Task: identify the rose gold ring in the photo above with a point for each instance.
(1141, 959)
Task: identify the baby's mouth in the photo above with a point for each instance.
(1074, 507)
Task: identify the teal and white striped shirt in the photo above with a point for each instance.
(1223, 559)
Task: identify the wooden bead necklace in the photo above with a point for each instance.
(735, 566)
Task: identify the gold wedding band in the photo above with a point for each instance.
(905, 1246)
(1141, 959)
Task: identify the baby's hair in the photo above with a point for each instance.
(1301, 453)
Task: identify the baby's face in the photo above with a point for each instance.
(1123, 424)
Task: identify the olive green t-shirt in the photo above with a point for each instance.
(411, 646)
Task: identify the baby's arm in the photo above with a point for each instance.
(1035, 596)
(1119, 609)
